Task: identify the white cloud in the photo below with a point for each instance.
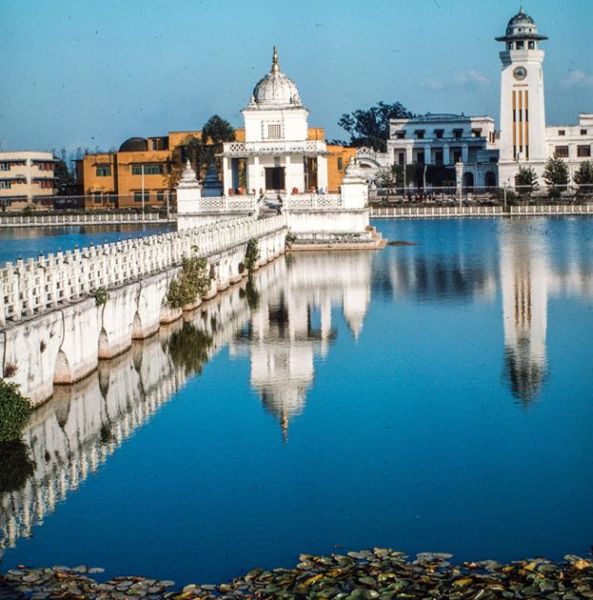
(577, 78)
(469, 78)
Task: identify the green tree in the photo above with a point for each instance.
(526, 181)
(14, 411)
(370, 127)
(556, 176)
(62, 175)
(583, 177)
(201, 151)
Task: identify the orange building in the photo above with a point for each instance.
(144, 171)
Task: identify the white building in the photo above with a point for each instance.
(25, 177)
(277, 155)
(440, 141)
(482, 156)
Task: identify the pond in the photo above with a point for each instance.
(427, 397)
(29, 242)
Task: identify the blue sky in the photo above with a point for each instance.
(81, 73)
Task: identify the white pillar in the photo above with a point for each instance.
(464, 153)
(322, 178)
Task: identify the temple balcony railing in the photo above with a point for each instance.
(275, 148)
(314, 201)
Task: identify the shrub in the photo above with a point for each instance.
(101, 296)
(251, 254)
(10, 369)
(15, 411)
(190, 284)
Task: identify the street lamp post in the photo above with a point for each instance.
(142, 172)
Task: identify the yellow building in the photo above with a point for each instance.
(144, 171)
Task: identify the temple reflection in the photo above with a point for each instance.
(293, 324)
(283, 322)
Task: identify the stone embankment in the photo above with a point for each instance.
(436, 212)
(60, 314)
(379, 573)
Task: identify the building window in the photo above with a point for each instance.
(583, 132)
(438, 157)
(419, 133)
(4, 185)
(531, 45)
(138, 196)
(97, 198)
(4, 166)
(561, 151)
(456, 155)
(103, 170)
(520, 44)
(584, 151)
(148, 169)
(420, 157)
(561, 132)
(476, 133)
(400, 135)
(274, 131)
(44, 166)
(160, 196)
(340, 163)
(401, 158)
(458, 133)
(438, 133)
(45, 184)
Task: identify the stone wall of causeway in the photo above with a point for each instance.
(55, 326)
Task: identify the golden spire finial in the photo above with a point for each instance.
(275, 66)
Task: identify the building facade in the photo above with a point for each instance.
(26, 178)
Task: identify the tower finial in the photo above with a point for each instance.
(275, 66)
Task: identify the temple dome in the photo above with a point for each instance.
(276, 89)
(134, 144)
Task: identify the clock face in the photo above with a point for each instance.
(520, 73)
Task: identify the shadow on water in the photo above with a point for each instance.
(16, 466)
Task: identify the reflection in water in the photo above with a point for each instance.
(283, 321)
(292, 322)
(16, 466)
(524, 278)
(70, 436)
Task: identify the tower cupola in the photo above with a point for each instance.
(521, 33)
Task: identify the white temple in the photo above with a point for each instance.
(277, 155)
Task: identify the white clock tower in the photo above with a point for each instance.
(522, 105)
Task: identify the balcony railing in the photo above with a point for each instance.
(275, 147)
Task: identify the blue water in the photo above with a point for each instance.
(447, 407)
(29, 242)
